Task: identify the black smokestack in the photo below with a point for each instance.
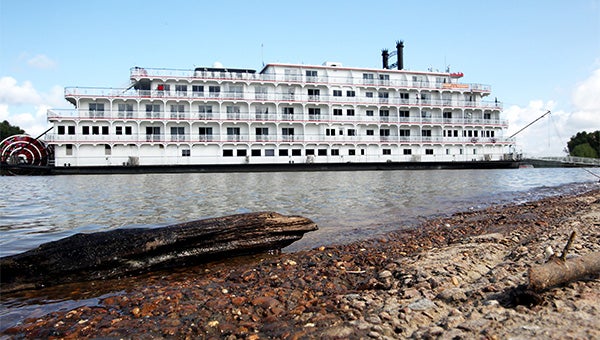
(400, 53)
(385, 56)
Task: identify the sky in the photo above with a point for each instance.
(536, 55)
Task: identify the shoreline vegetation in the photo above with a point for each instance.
(451, 277)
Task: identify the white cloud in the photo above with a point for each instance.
(537, 139)
(22, 105)
(33, 123)
(41, 61)
(3, 112)
(549, 136)
(586, 100)
(17, 94)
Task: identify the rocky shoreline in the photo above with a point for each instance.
(449, 278)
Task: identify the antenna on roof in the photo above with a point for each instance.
(262, 56)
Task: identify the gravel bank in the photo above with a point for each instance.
(450, 278)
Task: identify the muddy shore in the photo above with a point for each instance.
(448, 278)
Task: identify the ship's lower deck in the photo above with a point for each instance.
(228, 154)
(287, 167)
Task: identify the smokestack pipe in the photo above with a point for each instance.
(400, 53)
(385, 56)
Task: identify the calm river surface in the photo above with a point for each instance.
(346, 205)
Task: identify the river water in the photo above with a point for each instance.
(346, 205)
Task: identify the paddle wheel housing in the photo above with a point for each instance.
(20, 154)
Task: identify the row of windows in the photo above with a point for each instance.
(98, 109)
(470, 133)
(264, 131)
(282, 152)
(237, 91)
(367, 77)
(312, 152)
(214, 91)
(293, 152)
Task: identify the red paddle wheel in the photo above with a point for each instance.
(23, 155)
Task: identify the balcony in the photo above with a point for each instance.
(154, 138)
(261, 96)
(179, 115)
(283, 97)
(322, 79)
(206, 115)
(125, 114)
(178, 138)
(237, 138)
(71, 114)
(264, 116)
(142, 138)
(153, 114)
(235, 115)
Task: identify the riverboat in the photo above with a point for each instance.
(285, 116)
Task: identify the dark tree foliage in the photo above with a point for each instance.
(7, 130)
(585, 144)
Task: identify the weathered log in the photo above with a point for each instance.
(556, 271)
(120, 252)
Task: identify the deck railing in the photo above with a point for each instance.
(572, 160)
(142, 138)
(190, 75)
(250, 117)
(114, 94)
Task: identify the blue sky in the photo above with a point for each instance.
(536, 55)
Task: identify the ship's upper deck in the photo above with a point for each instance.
(328, 74)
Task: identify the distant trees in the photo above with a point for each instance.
(585, 144)
(7, 130)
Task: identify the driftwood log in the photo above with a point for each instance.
(558, 271)
(120, 252)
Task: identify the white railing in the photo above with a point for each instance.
(296, 138)
(138, 73)
(300, 117)
(572, 160)
(93, 92)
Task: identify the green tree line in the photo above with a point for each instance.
(7, 130)
(585, 144)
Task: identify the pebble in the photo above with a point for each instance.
(290, 263)
(374, 319)
(385, 274)
(491, 303)
(338, 332)
(452, 295)
(422, 304)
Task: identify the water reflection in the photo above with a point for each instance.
(346, 205)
